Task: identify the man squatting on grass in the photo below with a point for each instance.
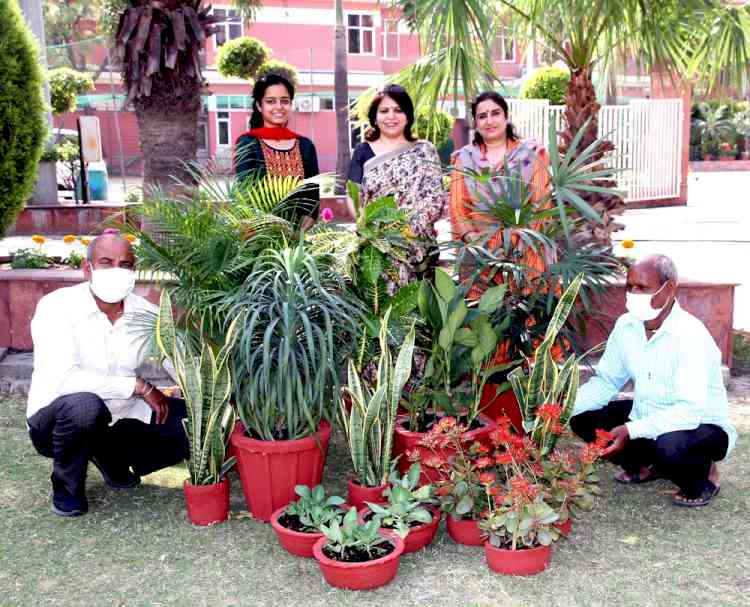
(677, 425)
(86, 402)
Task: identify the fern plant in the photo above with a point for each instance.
(370, 419)
(206, 384)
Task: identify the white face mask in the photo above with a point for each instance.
(112, 284)
(639, 305)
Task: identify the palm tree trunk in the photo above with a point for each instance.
(341, 102)
(581, 106)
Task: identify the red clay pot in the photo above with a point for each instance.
(404, 440)
(465, 531)
(419, 536)
(294, 542)
(494, 405)
(207, 504)
(565, 527)
(360, 576)
(528, 561)
(359, 494)
(269, 470)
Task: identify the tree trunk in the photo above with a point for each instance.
(341, 102)
(580, 106)
(168, 133)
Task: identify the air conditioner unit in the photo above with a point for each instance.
(306, 104)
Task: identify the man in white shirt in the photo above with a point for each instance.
(677, 425)
(86, 402)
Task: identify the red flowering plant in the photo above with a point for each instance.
(463, 469)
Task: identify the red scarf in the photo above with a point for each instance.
(272, 132)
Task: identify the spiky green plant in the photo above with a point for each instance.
(370, 420)
(206, 384)
(300, 320)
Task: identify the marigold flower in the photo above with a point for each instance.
(326, 214)
(483, 462)
(549, 412)
(487, 478)
(85, 241)
(129, 237)
(628, 244)
(69, 238)
(38, 239)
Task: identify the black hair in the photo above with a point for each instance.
(259, 91)
(500, 100)
(401, 97)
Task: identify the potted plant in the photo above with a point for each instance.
(460, 491)
(290, 342)
(459, 365)
(206, 385)
(368, 418)
(297, 525)
(408, 510)
(357, 556)
(712, 126)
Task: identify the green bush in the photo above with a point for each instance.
(23, 131)
(280, 68)
(241, 57)
(435, 126)
(30, 259)
(64, 85)
(547, 83)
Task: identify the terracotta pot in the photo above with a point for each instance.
(269, 470)
(405, 440)
(494, 405)
(207, 504)
(294, 542)
(465, 531)
(565, 527)
(528, 561)
(419, 536)
(359, 494)
(360, 576)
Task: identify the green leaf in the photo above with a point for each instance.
(492, 298)
(444, 284)
(464, 505)
(371, 264)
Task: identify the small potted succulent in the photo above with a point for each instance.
(408, 511)
(357, 556)
(298, 524)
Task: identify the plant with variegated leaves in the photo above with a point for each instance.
(206, 385)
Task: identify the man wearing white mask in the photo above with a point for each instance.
(86, 402)
(677, 425)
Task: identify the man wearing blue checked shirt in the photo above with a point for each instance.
(677, 425)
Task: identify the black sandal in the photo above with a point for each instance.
(709, 492)
(637, 480)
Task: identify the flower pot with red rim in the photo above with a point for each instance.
(405, 440)
(360, 576)
(564, 527)
(465, 531)
(207, 504)
(359, 494)
(269, 470)
(419, 536)
(524, 561)
(294, 542)
(494, 405)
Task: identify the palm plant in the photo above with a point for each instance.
(713, 126)
(206, 385)
(370, 422)
(300, 320)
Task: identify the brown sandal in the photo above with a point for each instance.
(624, 478)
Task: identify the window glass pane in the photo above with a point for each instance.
(220, 13)
(354, 41)
(391, 45)
(223, 115)
(326, 103)
(367, 41)
(508, 47)
(222, 102)
(223, 132)
(236, 102)
(232, 15)
(353, 20)
(235, 31)
(366, 20)
(221, 36)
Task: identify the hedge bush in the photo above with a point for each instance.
(241, 57)
(23, 128)
(280, 68)
(547, 83)
(64, 85)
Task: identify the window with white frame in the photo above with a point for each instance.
(229, 25)
(505, 47)
(222, 128)
(390, 39)
(360, 34)
(326, 102)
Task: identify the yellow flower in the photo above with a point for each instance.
(129, 237)
(38, 239)
(68, 238)
(628, 244)
(85, 241)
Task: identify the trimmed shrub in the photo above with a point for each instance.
(547, 83)
(64, 85)
(435, 126)
(280, 68)
(241, 57)
(23, 129)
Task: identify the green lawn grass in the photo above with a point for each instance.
(137, 548)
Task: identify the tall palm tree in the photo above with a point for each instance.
(341, 100)
(158, 45)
